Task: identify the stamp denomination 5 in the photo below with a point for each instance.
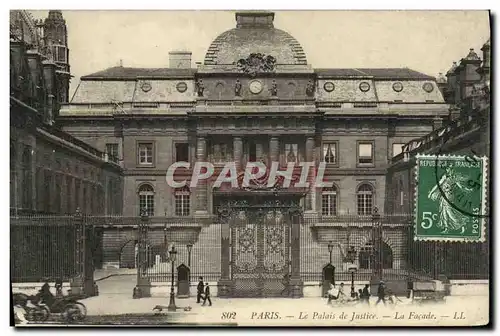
(450, 198)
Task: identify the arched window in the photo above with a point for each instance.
(401, 192)
(27, 187)
(182, 201)
(147, 199)
(365, 199)
(329, 201)
(368, 253)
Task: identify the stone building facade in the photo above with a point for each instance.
(51, 172)
(255, 98)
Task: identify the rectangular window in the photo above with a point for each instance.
(85, 198)
(221, 152)
(252, 152)
(329, 203)
(291, 153)
(112, 150)
(330, 152)
(147, 202)
(48, 191)
(181, 152)
(397, 149)
(145, 153)
(365, 153)
(57, 194)
(77, 204)
(69, 195)
(182, 203)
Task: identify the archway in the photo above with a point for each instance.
(127, 254)
(367, 256)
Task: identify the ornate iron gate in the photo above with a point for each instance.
(260, 241)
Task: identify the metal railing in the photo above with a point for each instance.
(47, 246)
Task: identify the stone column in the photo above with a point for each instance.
(274, 150)
(310, 157)
(238, 152)
(201, 188)
(224, 284)
(296, 284)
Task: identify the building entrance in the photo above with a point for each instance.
(260, 236)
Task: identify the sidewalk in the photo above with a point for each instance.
(284, 311)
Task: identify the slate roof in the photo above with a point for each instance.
(238, 43)
(377, 73)
(120, 72)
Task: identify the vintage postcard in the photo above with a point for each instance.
(250, 168)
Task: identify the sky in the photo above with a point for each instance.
(426, 41)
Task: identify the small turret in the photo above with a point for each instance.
(55, 35)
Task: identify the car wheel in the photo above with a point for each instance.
(83, 309)
(72, 312)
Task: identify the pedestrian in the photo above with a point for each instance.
(207, 295)
(341, 295)
(381, 293)
(200, 290)
(331, 294)
(366, 294)
(58, 285)
(286, 281)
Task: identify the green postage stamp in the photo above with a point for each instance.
(450, 198)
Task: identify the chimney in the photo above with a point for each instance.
(254, 19)
(180, 59)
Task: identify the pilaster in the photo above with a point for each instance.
(224, 284)
(274, 149)
(310, 157)
(296, 283)
(238, 152)
(201, 187)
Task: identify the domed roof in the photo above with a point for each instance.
(255, 33)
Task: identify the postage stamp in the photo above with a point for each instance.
(450, 198)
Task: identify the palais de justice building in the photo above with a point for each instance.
(255, 97)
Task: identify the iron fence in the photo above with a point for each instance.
(48, 246)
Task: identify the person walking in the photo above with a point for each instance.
(381, 293)
(286, 282)
(207, 295)
(366, 294)
(200, 288)
(332, 294)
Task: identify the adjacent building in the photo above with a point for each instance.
(466, 131)
(51, 172)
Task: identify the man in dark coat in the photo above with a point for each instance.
(207, 295)
(200, 288)
(365, 294)
(45, 294)
(381, 293)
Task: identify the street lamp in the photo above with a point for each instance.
(353, 268)
(351, 257)
(171, 305)
(189, 248)
(330, 249)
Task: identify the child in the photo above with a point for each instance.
(332, 294)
